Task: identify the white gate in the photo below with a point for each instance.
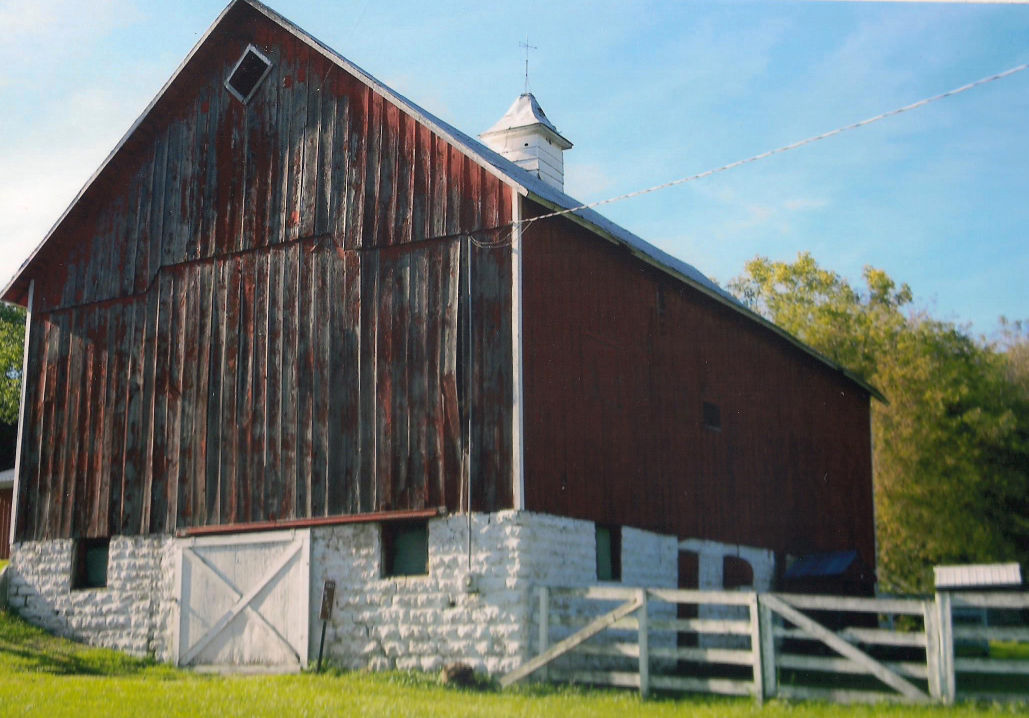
(243, 600)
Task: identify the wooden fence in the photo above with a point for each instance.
(767, 645)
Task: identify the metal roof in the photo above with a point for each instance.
(526, 112)
(822, 565)
(983, 575)
(526, 183)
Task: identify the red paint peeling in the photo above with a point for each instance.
(223, 215)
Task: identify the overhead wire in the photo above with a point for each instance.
(526, 223)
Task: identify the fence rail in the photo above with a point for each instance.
(844, 649)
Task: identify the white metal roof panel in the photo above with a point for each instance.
(983, 575)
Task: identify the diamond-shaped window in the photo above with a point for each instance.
(246, 76)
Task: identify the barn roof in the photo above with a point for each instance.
(982, 575)
(822, 565)
(526, 183)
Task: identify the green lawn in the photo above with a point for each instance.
(41, 675)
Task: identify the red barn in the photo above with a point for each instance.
(297, 329)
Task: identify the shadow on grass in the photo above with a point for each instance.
(27, 649)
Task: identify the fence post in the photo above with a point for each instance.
(544, 635)
(755, 647)
(933, 661)
(770, 685)
(945, 625)
(644, 645)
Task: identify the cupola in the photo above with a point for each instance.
(525, 136)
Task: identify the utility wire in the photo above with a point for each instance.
(778, 150)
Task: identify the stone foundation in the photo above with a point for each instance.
(131, 614)
(425, 622)
(411, 622)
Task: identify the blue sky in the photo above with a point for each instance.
(648, 92)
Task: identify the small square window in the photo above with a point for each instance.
(609, 553)
(712, 416)
(89, 567)
(405, 548)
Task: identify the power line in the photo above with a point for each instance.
(784, 148)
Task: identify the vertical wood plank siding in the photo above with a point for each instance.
(619, 359)
(256, 313)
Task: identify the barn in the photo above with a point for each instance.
(297, 330)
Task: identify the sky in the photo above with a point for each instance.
(648, 92)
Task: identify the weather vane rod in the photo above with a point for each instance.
(527, 47)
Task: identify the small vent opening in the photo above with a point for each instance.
(712, 416)
(247, 74)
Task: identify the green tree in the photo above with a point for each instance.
(951, 461)
(12, 336)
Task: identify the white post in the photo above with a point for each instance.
(18, 451)
(945, 624)
(755, 647)
(933, 662)
(517, 380)
(544, 636)
(644, 644)
(770, 686)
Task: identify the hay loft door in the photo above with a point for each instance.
(243, 601)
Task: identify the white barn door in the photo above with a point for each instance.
(243, 600)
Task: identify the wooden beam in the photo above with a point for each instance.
(905, 606)
(22, 416)
(254, 526)
(644, 660)
(755, 648)
(932, 651)
(769, 678)
(945, 626)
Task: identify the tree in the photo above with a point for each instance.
(12, 336)
(951, 461)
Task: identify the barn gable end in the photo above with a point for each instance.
(251, 298)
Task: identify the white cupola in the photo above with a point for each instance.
(525, 136)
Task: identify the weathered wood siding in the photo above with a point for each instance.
(257, 312)
(619, 358)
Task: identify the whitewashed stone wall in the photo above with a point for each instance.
(649, 559)
(711, 557)
(425, 622)
(132, 614)
(414, 622)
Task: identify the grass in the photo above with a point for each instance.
(1009, 650)
(41, 675)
